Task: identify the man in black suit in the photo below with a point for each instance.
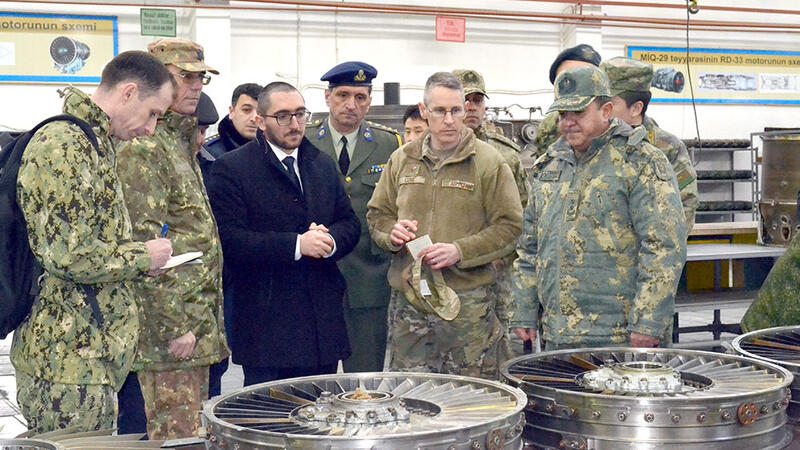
(284, 220)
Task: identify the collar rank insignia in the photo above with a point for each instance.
(360, 76)
(321, 133)
(368, 134)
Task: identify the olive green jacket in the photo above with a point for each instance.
(79, 231)
(470, 201)
(163, 184)
(365, 268)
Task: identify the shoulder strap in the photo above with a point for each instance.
(91, 291)
(84, 126)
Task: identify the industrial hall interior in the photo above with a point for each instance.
(410, 225)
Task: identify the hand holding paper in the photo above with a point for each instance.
(186, 258)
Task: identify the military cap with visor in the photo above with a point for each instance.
(472, 81)
(628, 75)
(351, 73)
(577, 88)
(581, 52)
(183, 54)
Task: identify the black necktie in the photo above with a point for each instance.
(289, 163)
(344, 158)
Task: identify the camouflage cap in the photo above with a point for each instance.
(577, 88)
(183, 54)
(627, 74)
(426, 290)
(472, 81)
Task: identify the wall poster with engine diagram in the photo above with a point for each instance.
(55, 48)
(723, 76)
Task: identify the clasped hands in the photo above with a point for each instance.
(316, 242)
(438, 256)
(637, 339)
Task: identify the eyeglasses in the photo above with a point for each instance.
(441, 113)
(192, 77)
(285, 118)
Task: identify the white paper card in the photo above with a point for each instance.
(185, 258)
(424, 289)
(417, 245)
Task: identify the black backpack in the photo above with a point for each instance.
(19, 270)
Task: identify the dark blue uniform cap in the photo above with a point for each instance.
(581, 52)
(206, 112)
(351, 73)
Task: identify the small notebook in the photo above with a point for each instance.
(186, 258)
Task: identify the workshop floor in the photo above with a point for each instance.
(12, 423)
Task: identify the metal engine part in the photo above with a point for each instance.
(644, 398)
(779, 345)
(27, 444)
(69, 56)
(780, 186)
(369, 411)
(668, 79)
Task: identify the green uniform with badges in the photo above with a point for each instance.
(677, 154)
(603, 240)
(163, 184)
(68, 366)
(470, 200)
(547, 133)
(628, 77)
(365, 268)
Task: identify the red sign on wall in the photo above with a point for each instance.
(451, 29)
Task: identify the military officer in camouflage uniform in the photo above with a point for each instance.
(460, 192)
(604, 240)
(361, 149)
(475, 119)
(578, 56)
(182, 329)
(630, 87)
(776, 304)
(70, 361)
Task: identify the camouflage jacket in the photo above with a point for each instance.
(470, 201)
(547, 133)
(603, 243)
(163, 184)
(776, 304)
(678, 156)
(510, 153)
(79, 230)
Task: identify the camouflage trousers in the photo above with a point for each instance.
(49, 406)
(473, 344)
(173, 400)
(504, 290)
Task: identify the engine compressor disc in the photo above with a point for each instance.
(632, 398)
(369, 410)
(779, 345)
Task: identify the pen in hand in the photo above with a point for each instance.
(164, 230)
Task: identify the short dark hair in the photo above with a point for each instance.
(264, 96)
(601, 100)
(138, 67)
(249, 89)
(412, 113)
(632, 97)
